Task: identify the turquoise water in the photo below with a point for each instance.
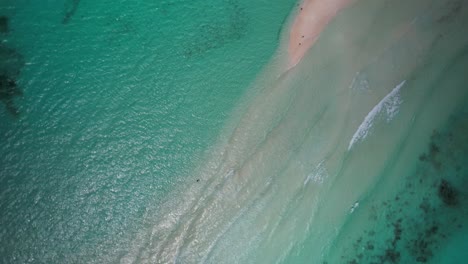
(119, 101)
(168, 132)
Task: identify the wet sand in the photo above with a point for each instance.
(312, 17)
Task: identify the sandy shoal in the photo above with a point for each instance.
(311, 19)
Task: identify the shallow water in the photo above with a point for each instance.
(168, 133)
(114, 108)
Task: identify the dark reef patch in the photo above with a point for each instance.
(369, 245)
(11, 63)
(391, 256)
(8, 91)
(4, 27)
(71, 6)
(447, 193)
(412, 225)
(423, 245)
(434, 150)
(212, 35)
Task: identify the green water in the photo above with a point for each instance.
(168, 132)
(119, 100)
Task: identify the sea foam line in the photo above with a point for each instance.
(390, 103)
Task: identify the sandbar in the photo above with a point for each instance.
(311, 19)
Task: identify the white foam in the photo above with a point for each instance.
(389, 105)
(355, 205)
(318, 174)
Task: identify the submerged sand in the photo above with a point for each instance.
(302, 159)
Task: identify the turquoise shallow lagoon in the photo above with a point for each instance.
(119, 101)
(168, 132)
